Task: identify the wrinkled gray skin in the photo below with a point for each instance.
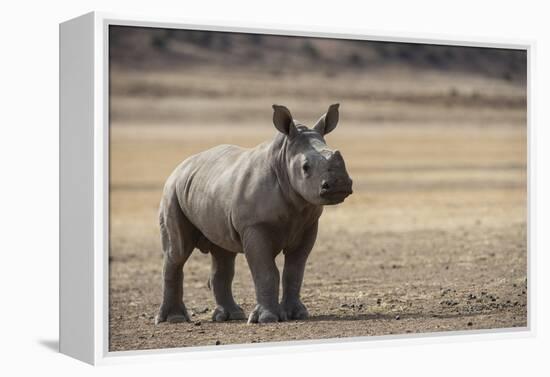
(259, 202)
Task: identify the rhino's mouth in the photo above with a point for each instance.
(336, 197)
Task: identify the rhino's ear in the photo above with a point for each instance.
(328, 121)
(282, 119)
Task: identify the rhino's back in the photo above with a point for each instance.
(214, 185)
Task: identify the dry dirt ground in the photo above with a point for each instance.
(434, 237)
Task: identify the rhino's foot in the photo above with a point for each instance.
(261, 314)
(222, 314)
(173, 315)
(295, 310)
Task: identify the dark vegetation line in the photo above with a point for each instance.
(154, 48)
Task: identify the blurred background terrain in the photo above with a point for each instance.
(152, 48)
(434, 236)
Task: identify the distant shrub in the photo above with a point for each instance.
(205, 39)
(449, 53)
(404, 54)
(161, 39)
(355, 59)
(199, 38)
(225, 42)
(310, 50)
(159, 42)
(255, 39)
(433, 58)
(453, 92)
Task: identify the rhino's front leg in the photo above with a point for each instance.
(261, 248)
(293, 275)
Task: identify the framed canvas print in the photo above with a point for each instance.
(234, 189)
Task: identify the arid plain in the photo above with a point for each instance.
(433, 239)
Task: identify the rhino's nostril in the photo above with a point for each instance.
(325, 185)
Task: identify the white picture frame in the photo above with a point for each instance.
(84, 192)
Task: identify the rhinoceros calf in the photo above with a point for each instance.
(259, 202)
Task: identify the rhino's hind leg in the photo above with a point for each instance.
(221, 278)
(172, 308)
(178, 238)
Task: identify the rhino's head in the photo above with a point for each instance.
(315, 171)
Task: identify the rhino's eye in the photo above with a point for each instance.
(305, 167)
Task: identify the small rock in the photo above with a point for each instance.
(397, 317)
(218, 342)
(198, 323)
(470, 323)
(344, 305)
(378, 301)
